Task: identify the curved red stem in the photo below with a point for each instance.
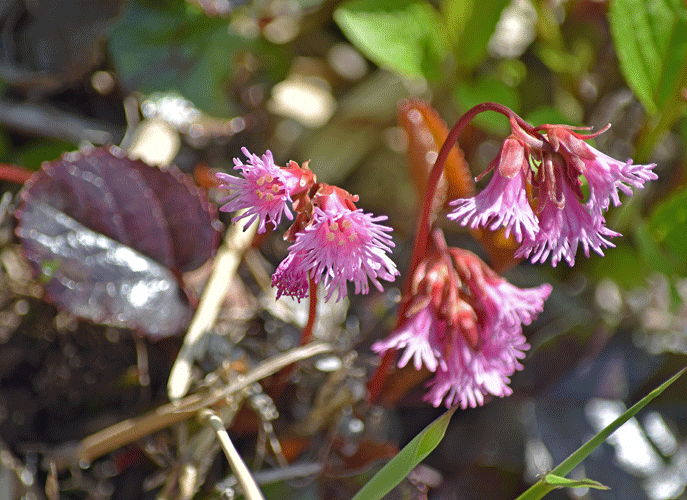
(423, 225)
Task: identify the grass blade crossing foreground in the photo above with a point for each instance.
(542, 487)
(411, 455)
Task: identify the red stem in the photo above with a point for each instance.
(13, 173)
(306, 335)
(376, 383)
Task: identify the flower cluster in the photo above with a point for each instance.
(465, 325)
(551, 159)
(333, 241)
(460, 320)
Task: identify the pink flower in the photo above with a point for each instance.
(504, 201)
(471, 374)
(341, 245)
(264, 191)
(564, 220)
(514, 305)
(472, 338)
(605, 175)
(419, 336)
(290, 278)
(563, 227)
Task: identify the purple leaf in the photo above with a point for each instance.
(108, 235)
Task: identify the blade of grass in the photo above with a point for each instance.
(405, 460)
(541, 487)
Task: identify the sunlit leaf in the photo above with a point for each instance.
(107, 235)
(402, 35)
(470, 24)
(650, 38)
(564, 482)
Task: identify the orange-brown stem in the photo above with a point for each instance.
(306, 334)
(13, 173)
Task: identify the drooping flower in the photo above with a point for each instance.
(563, 220)
(604, 175)
(471, 374)
(341, 244)
(264, 191)
(290, 278)
(563, 225)
(333, 241)
(503, 203)
(465, 325)
(419, 336)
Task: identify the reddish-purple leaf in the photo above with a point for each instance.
(108, 234)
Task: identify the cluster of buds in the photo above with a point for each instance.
(464, 323)
(333, 242)
(551, 161)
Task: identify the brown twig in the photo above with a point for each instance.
(133, 429)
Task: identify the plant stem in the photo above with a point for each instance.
(376, 383)
(250, 488)
(306, 335)
(13, 173)
(424, 222)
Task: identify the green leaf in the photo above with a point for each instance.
(650, 38)
(564, 482)
(406, 36)
(666, 230)
(470, 24)
(541, 487)
(161, 50)
(411, 455)
(624, 265)
(488, 89)
(547, 114)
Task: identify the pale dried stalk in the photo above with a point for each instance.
(250, 488)
(224, 269)
(133, 429)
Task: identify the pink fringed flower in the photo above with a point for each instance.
(503, 203)
(467, 327)
(264, 191)
(605, 175)
(563, 221)
(419, 336)
(563, 228)
(290, 278)
(342, 244)
(471, 374)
